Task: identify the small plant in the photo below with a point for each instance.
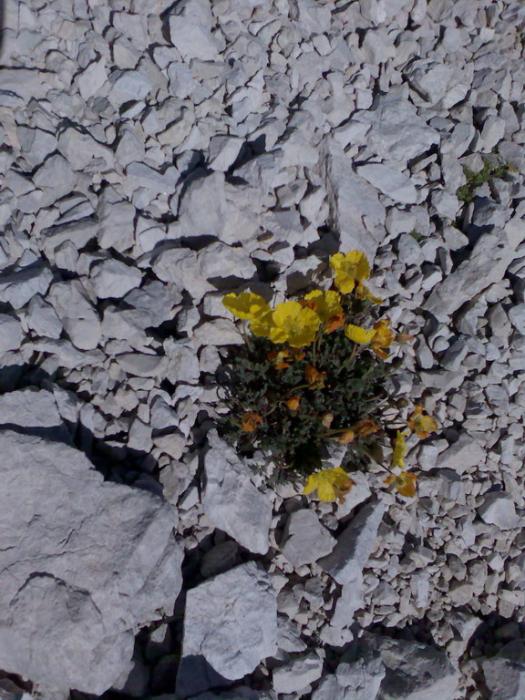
(488, 172)
(312, 373)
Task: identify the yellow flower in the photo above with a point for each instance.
(331, 484)
(400, 449)
(294, 324)
(383, 338)
(404, 483)
(366, 427)
(314, 377)
(360, 335)
(250, 421)
(362, 292)
(346, 437)
(262, 324)
(349, 268)
(246, 305)
(293, 403)
(327, 305)
(422, 424)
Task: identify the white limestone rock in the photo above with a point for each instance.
(354, 545)
(298, 673)
(29, 409)
(504, 673)
(77, 314)
(305, 540)
(19, 285)
(398, 133)
(92, 79)
(190, 31)
(414, 671)
(462, 455)
(231, 621)
(355, 210)
(498, 509)
(389, 181)
(231, 501)
(10, 333)
(97, 561)
(490, 258)
(114, 279)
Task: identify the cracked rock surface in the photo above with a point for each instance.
(155, 155)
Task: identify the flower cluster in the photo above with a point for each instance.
(312, 373)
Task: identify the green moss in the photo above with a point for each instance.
(488, 172)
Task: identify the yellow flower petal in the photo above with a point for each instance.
(349, 268)
(331, 484)
(404, 483)
(246, 305)
(400, 449)
(262, 324)
(311, 484)
(363, 336)
(383, 338)
(421, 423)
(294, 324)
(326, 304)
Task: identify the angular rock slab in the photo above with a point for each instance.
(305, 539)
(414, 671)
(231, 621)
(83, 564)
(505, 672)
(232, 502)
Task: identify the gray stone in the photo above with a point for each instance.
(298, 673)
(190, 31)
(129, 85)
(143, 175)
(517, 317)
(231, 621)
(231, 501)
(354, 545)
(230, 214)
(414, 671)
(82, 150)
(398, 133)
(223, 152)
(389, 181)
(498, 509)
(18, 286)
(42, 318)
(196, 272)
(355, 678)
(487, 264)
(504, 673)
(114, 279)
(75, 311)
(10, 333)
(462, 455)
(97, 561)
(305, 539)
(92, 79)
(355, 210)
(29, 409)
(141, 365)
(116, 218)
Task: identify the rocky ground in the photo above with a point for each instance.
(157, 154)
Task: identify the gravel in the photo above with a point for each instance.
(158, 155)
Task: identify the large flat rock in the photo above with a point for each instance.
(83, 565)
